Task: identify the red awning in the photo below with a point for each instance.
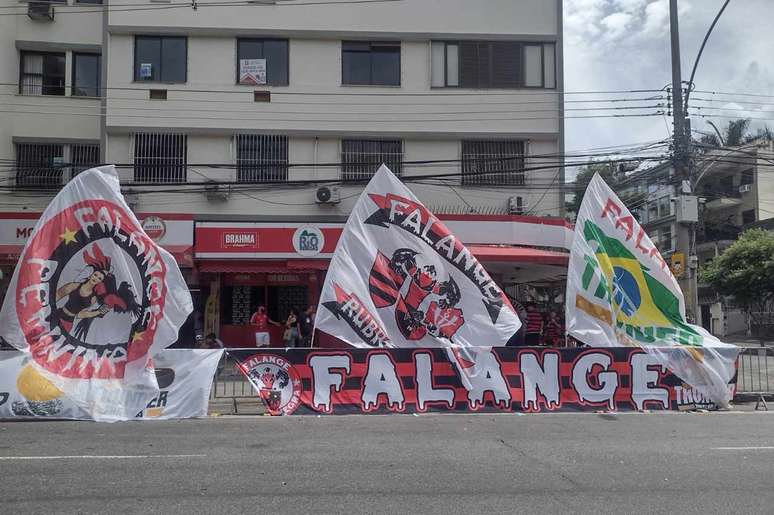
(253, 267)
(493, 253)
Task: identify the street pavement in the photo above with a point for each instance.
(547, 463)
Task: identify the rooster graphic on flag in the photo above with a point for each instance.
(621, 292)
(400, 278)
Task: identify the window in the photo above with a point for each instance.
(160, 59)
(262, 158)
(86, 75)
(748, 177)
(39, 164)
(493, 162)
(42, 73)
(666, 240)
(83, 157)
(52, 164)
(748, 216)
(664, 207)
(273, 52)
(493, 64)
(361, 158)
(370, 64)
(160, 157)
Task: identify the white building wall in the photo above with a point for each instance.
(315, 110)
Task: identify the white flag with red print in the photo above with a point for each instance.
(93, 298)
(400, 278)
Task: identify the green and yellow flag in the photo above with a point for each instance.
(621, 292)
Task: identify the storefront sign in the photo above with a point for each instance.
(154, 227)
(240, 240)
(500, 379)
(174, 232)
(308, 241)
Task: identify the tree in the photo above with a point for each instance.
(735, 134)
(608, 171)
(746, 271)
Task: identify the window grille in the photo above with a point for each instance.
(493, 162)
(361, 158)
(262, 158)
(83, 157)
(39, 164)
(160, 158)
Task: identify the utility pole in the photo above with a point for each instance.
(685, 201)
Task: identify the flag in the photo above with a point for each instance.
(400, 278)
(93, 298)
(621, 292)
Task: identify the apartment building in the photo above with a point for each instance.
(736, 190)
(243, 133)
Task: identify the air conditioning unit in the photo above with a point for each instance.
(216, 192)
(42, 11)
(515, 206)
(745, 188)
(327, 195)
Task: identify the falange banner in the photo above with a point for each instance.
(93, 299)
(400, 278)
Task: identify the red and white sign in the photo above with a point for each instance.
(174, 232)
(247, 240)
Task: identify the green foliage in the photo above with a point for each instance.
(745, 270)
(582, 180)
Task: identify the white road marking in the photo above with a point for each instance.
(762, 448)
(89, 457)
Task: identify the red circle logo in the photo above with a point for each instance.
(90, 293)
(277, 382)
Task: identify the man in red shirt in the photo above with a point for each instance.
(535, 325)
(260, 322)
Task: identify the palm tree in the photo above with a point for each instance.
(735, 134)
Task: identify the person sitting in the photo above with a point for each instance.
(260, 322)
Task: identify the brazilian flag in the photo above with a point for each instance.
(644, 308)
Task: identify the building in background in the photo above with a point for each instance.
(239, 129)
(736, 191)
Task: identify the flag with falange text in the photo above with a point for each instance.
(93, 299)
(621, 292)
(400, 278)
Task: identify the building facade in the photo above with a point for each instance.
(236, 129)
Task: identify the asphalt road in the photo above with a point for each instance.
(647, 463)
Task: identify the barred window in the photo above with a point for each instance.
(39, 164)
(361, 158)
(83, 157)
(262, 158)
(493, 162)
(160, 157)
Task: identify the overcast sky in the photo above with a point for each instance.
(624, 44)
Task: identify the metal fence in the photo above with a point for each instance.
(755, 372)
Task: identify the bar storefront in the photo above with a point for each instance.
(240, 266)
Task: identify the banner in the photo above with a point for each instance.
(252, 71)
(93, 298)
(507, 379)
(400, 278)
(184, 377)
(621, 292)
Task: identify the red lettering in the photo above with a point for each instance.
(611, 206)
(627, 223)
(640, 236)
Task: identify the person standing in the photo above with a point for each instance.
(534, 325)
(260, 322)
(306, 326)
(554, 330)
(292, 333)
